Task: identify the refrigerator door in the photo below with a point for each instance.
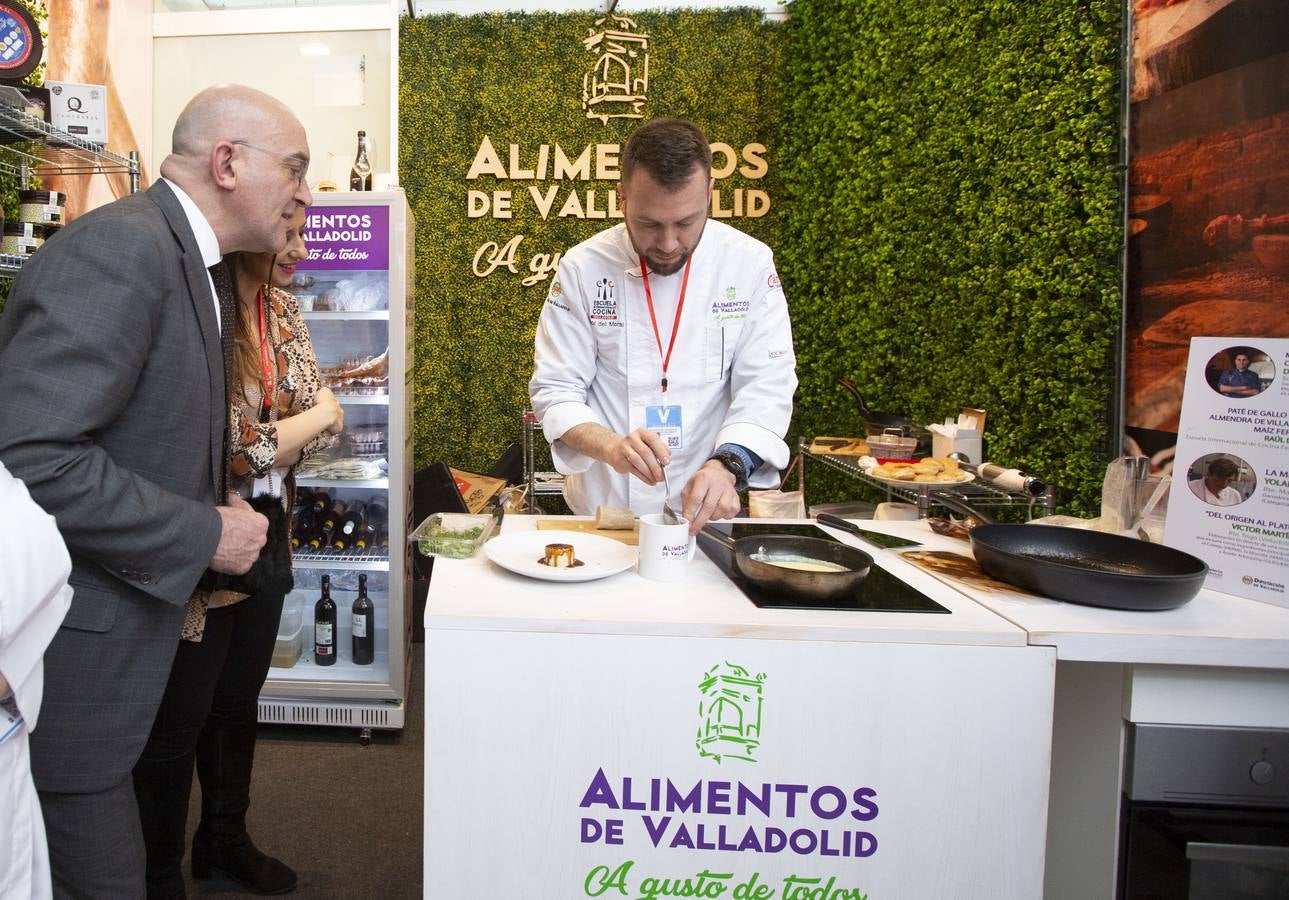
(356, 295)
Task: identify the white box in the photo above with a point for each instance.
(79, 109)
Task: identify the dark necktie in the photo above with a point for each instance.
(223, 281)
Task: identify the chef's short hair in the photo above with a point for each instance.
(668, 149)
(1222, 468)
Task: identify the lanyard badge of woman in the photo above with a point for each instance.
(664, 419)
(266, 362)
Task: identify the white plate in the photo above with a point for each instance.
(520, 551)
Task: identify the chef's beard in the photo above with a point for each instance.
(671, 266)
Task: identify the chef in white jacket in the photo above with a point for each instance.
(665, 341)
(34, 596)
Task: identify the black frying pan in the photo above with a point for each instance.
(1088, 567)
(754, 557)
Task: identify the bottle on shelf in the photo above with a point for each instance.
(349, 527)
(363, 626)
(324, 626)
(360, 174)
(303, 528)
(319, 501)
(326, 525)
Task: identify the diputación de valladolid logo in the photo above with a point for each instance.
(729, 713)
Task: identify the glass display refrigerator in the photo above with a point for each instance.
(353, 503)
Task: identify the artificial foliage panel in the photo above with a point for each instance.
(952, 208)
(520, 80)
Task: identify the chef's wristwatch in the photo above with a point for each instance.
(735, 465)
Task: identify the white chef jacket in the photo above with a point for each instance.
(732, 371)
(34, 596)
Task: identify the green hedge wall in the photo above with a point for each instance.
(966, 249)
(946, 189)
(518, 79)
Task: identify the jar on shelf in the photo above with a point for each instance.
(22, 238)
(42, 208)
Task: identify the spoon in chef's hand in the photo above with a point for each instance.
(668, 514)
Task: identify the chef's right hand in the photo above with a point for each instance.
(641, 453)
(242, 535)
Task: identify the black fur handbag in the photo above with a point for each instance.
(270, 575)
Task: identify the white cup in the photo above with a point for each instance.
(665, 550)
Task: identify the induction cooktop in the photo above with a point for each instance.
(879, 592)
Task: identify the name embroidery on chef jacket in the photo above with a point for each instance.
(729, 306)
(604, 308)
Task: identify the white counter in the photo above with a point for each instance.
(605, 736)
(1213, 629)
(476, 594)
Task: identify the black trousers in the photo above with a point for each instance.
(207, 715)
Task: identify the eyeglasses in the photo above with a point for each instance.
(297, 166)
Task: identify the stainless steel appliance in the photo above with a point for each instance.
(1205, 814)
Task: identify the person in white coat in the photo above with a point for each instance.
(665, 342)
(34, 596)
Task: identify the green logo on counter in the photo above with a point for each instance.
(729, 713)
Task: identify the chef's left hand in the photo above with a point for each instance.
(710, 494)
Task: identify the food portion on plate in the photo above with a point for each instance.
(931, 470)
(560, 556)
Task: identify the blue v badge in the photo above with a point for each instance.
(665, 420)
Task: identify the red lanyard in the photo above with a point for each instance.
(675, 326)
(266, 361)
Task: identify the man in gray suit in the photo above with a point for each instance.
(113, 411)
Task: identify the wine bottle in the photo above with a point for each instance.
(360, 174)
(303, 528)
(348, 528)
(364, 626)
(324, 626)
(319, 501)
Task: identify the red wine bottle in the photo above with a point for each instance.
(324, 626)
(349, 527)
(364, 626)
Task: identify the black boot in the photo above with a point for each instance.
(161, 789)
(225, 753)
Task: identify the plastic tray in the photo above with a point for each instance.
(455, 535)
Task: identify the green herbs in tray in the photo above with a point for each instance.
(456, 535)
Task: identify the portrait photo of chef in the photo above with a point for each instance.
(1221, 480)
(1239, 372)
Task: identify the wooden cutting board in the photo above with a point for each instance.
(587, 526)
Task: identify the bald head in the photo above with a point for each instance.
(242, 157)
(226, 112)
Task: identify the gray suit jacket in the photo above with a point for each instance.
(112, 411)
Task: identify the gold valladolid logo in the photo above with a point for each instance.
(618, 83)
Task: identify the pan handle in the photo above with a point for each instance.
(829, 519)
(859, 399)
(720, 537)
(959, 506)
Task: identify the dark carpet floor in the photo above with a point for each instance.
(346, 817)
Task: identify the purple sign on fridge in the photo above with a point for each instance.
(347, 238)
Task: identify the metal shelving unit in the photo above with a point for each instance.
(976, 494)
(32, 147)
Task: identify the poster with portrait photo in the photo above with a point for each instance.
(1208, 196)
(1229, 501)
